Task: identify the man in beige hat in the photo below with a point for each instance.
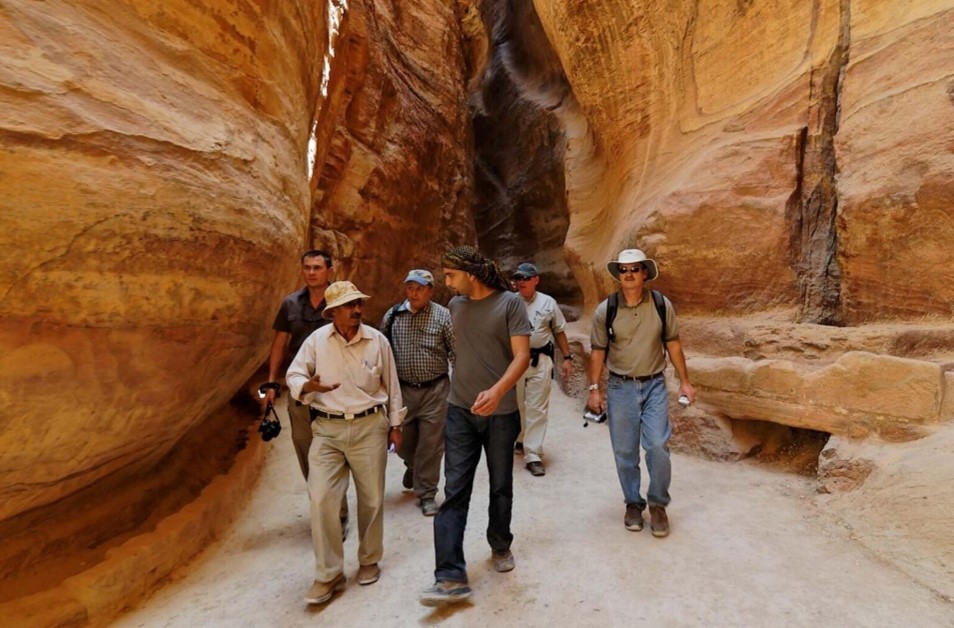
(422, 339)
(345, 373)
(633, 346)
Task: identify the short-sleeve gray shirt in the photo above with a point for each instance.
(483, 328)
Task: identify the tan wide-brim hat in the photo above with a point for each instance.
(339, 293)
(633, 256)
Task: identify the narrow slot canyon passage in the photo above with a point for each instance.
(749, 547)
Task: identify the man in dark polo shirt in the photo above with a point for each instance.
(298, 316)
(422, 338)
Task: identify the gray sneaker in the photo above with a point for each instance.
(428, 507)
(634, 517)
(503, 561)
(445, 593)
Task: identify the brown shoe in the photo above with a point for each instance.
(428, 507)
(659, 521)
(633, 520)
(408, 480)
(369, 574)
(504, 561)
(321, 592)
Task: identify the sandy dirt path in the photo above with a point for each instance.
(749, 547)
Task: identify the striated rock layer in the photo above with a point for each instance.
(153, 161)
(394, 178)
(159, 189)
(786, 159)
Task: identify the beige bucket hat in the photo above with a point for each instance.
(633, 256)
(339, 293)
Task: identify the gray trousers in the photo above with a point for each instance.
(422, 437)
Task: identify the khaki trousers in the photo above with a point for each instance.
(300, 419)
(359, 445)
(533, 397)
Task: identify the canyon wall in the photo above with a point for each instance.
(394, 183)
(788, 164)
(159, 189)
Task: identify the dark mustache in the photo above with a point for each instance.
(356, 315)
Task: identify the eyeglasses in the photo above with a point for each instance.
(638, 268)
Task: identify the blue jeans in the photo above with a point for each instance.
(639, 411)
(465, 435)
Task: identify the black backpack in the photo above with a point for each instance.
(612, 305)
(390, 315)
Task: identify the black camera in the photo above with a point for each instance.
(270, 427)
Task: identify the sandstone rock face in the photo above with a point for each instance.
(395, 180)
(153, 160)
(765, 154)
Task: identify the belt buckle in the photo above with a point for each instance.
(348, 416)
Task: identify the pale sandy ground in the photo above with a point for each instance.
(749, 547)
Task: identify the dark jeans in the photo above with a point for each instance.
(465, 434)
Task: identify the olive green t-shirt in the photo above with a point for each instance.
(638, 349)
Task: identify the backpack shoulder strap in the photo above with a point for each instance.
(660, 304)
(392, 314)
(612, 305)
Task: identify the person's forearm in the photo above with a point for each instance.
(678, 359)
(597, 358)
(276, 355)
(563, 343)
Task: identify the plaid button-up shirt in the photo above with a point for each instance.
(423, 341)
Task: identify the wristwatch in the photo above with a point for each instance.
(593, 387)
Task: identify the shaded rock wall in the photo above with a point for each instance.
(394, 182)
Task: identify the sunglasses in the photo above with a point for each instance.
(623, 270)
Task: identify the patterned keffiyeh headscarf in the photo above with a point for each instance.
(470, 260)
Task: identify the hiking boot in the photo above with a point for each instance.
(369, 574)
(536, 468)
(321, 592)
(445, 593)
(408, 479)
(518, 448)
(428, 507)
(658, 521)
(503, 561)
(634, 517)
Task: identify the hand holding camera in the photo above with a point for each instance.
(269, 427)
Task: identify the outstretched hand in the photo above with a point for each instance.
(314, 385)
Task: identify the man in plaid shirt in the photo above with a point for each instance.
(422, 339)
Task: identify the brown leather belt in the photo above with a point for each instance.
(637, 378)
(347, 416)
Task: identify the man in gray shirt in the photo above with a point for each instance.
(422, 339)
(493, 350)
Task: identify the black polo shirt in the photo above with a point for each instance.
(297, 318)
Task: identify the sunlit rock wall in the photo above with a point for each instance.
(395, 175)
(154, 177)
(786, 162)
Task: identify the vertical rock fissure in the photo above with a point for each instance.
(813, 207)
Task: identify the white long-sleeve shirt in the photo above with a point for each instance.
(364, 367)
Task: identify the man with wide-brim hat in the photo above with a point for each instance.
(345, 372)
(633, 344)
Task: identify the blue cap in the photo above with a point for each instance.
(421, 276)
(525, 271)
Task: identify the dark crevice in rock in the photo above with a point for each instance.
(520, 194)
(812, 209)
